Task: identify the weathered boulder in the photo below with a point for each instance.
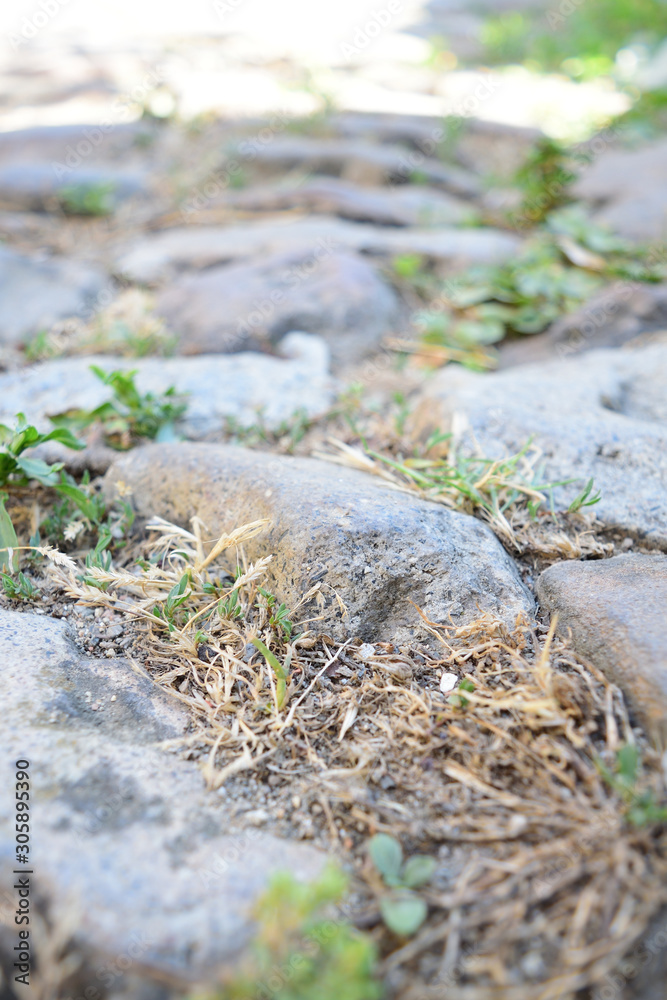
(35, 293)
(246, 388)
(154, 258)
(70, 146)
(36, 186)
(487, 147)
(602, 414)
(335, 294)
(362, 161)
(628, 189)
(405, 205)
(616, 611)
(375, 550)
(128, 848)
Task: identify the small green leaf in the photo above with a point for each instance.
(64, 436)
(87, 506)
(270, 658)
(35, 468)
(418, 871)
(403, 912)
(278, 669)
(628, 764)
(9, 561)
(585, 499)
(387, 856)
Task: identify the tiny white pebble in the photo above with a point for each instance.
(448, 682)
(365, 651)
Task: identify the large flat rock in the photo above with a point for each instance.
(487, 147)
(72, 145)
(34, 293)
(405, 205)
(602, 414)
(373, 549)
(37, 186)
(336, 294)
(246, 388)
(124, 836)
(155, 258)
(361, 161)
(616, 611)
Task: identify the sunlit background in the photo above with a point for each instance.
(531, 66)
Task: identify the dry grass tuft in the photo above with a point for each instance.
(510, 494)
(544, 883)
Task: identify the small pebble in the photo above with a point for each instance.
(366, 651)
(256, 817)
(448, 682)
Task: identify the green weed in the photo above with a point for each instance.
(459, 700)
(587, 498)
(19, 587)
(560, 267)
(582, 42)
(287, 435)
(129, 415)
(177, 596)
(641, 809)
(280, 670)
(543, 180)
(403, 911)
(278, 614)
(41, 347)
(88, 199)
(9, 560)
(491, 488)
(302, 950)
(17, 468)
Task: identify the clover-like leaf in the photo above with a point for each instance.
(403, 912)
(418, 870)
(387, 856)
